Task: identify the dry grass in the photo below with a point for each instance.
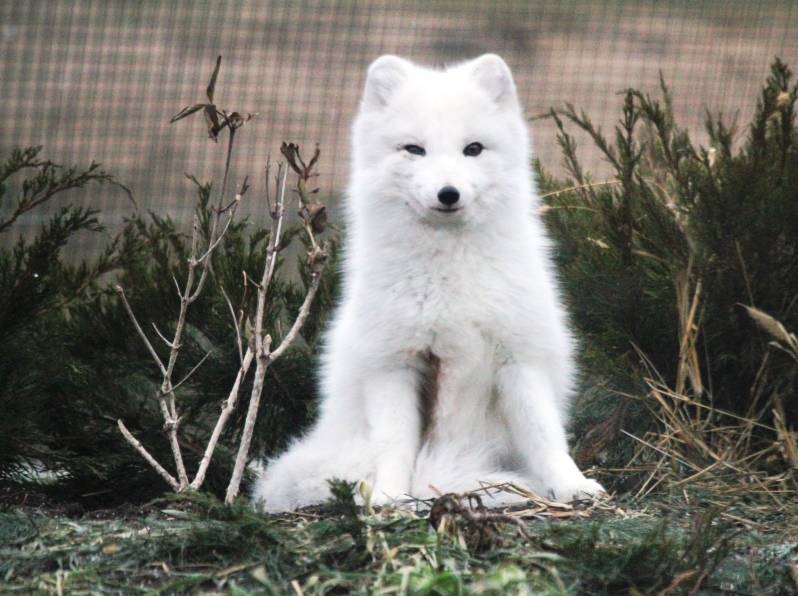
(718, 455)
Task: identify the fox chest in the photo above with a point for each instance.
(440, 309)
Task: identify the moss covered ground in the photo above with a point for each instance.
(196, 544)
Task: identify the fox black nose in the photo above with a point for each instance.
(448, 195)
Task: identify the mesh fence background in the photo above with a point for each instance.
(100, 79)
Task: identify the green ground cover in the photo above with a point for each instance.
(179, 544)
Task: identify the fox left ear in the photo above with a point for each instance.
(493, 75)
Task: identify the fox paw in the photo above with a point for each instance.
(584, 488)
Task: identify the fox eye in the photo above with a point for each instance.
(473, 149)
(415, 149)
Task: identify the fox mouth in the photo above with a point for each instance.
(447, 209)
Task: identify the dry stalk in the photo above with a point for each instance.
(687, 307)
(782, 339)
(259, 350)
(167, 399)
(277, 215)
(263, 354)
(785, 341)
(587, 185)
(147, 456)
(787, 438)
(707, 447)
(227, 409)
(193, 287)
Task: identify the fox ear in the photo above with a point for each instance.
(384, 76)
(493, 75)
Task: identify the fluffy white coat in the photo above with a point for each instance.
(465, 295)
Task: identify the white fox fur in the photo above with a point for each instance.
(458, 308)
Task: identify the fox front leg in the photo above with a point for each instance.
(394, 426)
(533, 414)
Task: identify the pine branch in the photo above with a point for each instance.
(50, 181)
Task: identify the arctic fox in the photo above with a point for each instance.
(449, 361)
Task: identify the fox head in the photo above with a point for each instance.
(448, 146)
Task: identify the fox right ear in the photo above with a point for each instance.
(384, 76)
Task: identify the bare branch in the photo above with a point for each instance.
(120, 290)
(177, 286)
(249, 425)
(213, 241)
(278, 215)
(146, 455)
(236, 325)
(188, 293)
(263, 343)
(227, 409)
(191, 372)
(218, 240)
(259, 350)
(268, 169)
(184, 302)
(168, 398)
(158, 331)
(302, 316)
(166, 395)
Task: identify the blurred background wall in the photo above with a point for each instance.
(100, 79)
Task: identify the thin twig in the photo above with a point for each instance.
(191, 372)
(302, 316)
(177, 286)
(146, 455)
(556, 193)
(236, 325)
(220, 237)
(217, 214)
(161, 335)
(267, 172)
(120, 290)
(277, 227)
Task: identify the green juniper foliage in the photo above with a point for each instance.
(674, 219)
(71, 363)
(38, 295)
